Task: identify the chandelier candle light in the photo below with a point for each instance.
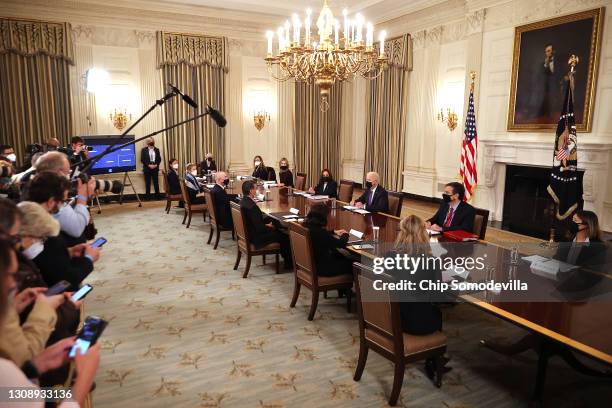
(337, 56)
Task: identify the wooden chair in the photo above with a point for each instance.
(345, 191)
(300, 181)
(170, 197)
(245, 245)
(306, 271)
(481, 219)
(191, 209)
(271, 174)
(212, 215)
(380, 328)
(395, 202)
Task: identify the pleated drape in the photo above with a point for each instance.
(35, 99)
(387, 114)
(197, 65)
(317, 133)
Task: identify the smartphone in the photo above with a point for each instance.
(59, 287)
(98, 242)
(88, 335)
(81, 293)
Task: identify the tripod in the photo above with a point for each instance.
(126, 176)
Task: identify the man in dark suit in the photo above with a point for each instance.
(208, 164)
(261, 228)
(375, 197)
(150, 159)
(222, 200)
(453, 214)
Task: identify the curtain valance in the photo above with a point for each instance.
(399, 52)
(191, 49)
(30, 37)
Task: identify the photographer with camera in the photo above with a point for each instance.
(78, 152)
(74, 218)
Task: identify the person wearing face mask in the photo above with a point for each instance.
(194, 188)
(454, 213)
(208, 164)
(77, 152)
(285, 175)
(150, 159)
(262, 229)
(586, 247)
(174, 183)
(375, 197)
(56, 261)
(222, 199)
(260, 170)
(54, 356)
(326, 186)
(8, 152)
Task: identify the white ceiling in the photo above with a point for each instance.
(374, 10)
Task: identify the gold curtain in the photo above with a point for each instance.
(317, 134)
(35, 99)
(197, 65)
(387, 114)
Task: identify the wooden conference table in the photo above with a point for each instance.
(583, 325)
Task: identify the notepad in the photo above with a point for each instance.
(432, 232)
(360, 211)
(290, 216)
(349, 207)
(319, 197)
(356, 233)
(294, 211)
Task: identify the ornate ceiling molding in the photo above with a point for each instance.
(418, 40)
(144, 37)
(434, 36)
(475, 22)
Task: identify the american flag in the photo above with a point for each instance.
(469, 150)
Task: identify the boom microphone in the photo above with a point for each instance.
(217, 116)
(186, 98)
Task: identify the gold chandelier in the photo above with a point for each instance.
(334, 57)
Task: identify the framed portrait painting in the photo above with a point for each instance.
(540, 70)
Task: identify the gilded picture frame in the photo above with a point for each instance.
(540, 68)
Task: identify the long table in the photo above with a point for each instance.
(585, 325)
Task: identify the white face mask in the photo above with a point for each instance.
(12, 157)
(257, 163)
(33, 250)
(194, 172)
(175, 166)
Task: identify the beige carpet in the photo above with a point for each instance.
(187, 331)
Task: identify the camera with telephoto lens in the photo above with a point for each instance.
(105, 186)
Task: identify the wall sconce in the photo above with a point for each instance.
(120, 119)
(449, 118)
(260, 118)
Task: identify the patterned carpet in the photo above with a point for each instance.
(187, 331)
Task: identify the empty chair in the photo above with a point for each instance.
(481, 219)
(212, 215)
(244, 244)
(395, 203)
(380, 329)
(189, 208)
(170, 197)
(345, 191)
(300, 181)
(306, 271)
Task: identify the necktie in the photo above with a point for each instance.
(371, 197)
(449, 218)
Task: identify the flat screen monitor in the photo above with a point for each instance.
(119, 161)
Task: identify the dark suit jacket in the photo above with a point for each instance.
(330, 190)
(325, 246)
(463, 219)
(286, 177)
(146, 160)
(256, 221)
(205, 167)
(261, 172)
(222, 205)
(174, 183)
(55, 264)
(380, 202)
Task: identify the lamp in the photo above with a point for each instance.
(260, 118)
(120, 119)
(449, 118)
(96, 80)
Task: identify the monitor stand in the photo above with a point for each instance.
(126, 176)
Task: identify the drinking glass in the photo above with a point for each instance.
(375, 233)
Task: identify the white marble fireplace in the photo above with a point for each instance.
(593, 158)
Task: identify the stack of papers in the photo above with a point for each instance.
(355, 209)
(549, 268)
(319, 197)
(302, 193)
(432, 232)
(210, 185)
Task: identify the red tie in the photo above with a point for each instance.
(449, 217)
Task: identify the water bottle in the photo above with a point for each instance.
(514, 255)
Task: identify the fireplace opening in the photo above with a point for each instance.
(528, 208)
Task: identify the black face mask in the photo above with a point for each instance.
(226, 182)
(574, 227)
(368, 184)
(284, 167)
(325, 179)
(209, 160)
(446, 197)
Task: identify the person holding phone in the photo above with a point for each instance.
(52, 357)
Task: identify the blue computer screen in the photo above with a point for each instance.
(119, 161)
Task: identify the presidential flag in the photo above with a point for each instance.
(565, 188)
(469, 149)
